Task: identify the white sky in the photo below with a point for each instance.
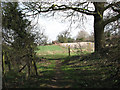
(54, 26)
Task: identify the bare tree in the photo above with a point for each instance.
(97, 11)
(82, 35)
(39, 35)
(64, 36)
(91, 37)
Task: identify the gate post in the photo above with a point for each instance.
(69, 50)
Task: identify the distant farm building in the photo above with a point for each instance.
(55, 42)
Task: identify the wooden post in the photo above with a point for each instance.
(35, 68)
(3, 63)
(69, 50)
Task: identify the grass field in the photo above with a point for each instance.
(49, 48)
(53, 51)
(58, 70)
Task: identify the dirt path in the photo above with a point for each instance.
(58, 79)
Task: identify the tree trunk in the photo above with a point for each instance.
(99, 27)
(28, 65)
(98, 35)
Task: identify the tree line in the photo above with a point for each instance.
(82, 36)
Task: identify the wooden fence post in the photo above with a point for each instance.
(69, 50)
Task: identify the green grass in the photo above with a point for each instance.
(84, 71)
(49, 48)
(46, 65)
(89, 73)
(53, 52)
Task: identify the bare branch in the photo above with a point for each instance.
(111, 19)
(116, 10)
(64, 7)
(112, 4)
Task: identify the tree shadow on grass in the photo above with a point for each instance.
(56, 59)
(79, 58)
(74, 76)
(41, 81)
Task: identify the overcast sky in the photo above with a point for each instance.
(54, 26)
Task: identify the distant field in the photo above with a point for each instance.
(50, 51)
(53, 50)
(49, 48)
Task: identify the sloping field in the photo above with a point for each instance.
(62, 48)
(51, 49)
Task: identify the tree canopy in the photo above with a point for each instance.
(16, 37)
(98, 11)
(65, 37)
